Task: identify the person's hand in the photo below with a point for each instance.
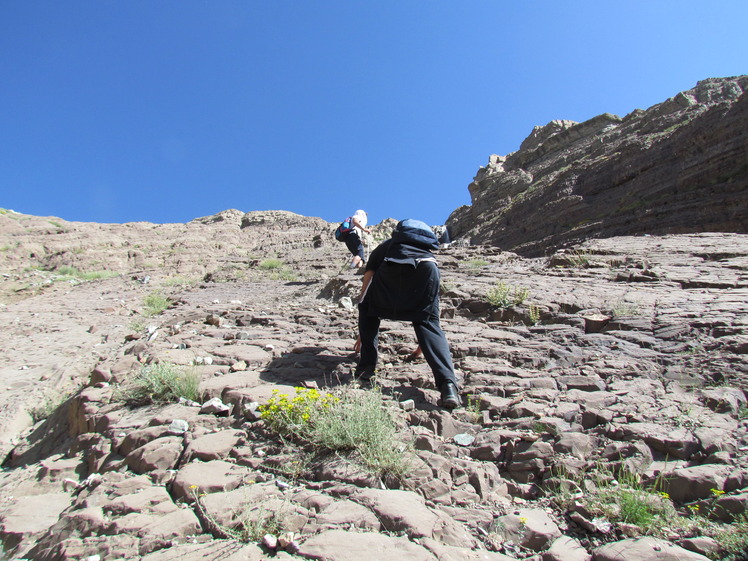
(414, 355)
(357, 345)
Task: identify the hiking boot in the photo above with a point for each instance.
(450, 396)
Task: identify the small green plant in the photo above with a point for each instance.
(251, 525)
(743, 412)
(355, 422)
(66, 273)
(473, 408)
(474, 266)
(503, 295)
(534, 311)
(577, 258)
(624, 309)
(270, 264)
(277, 271)
(160, 383)
(540, 427)
(733, 539)
(284, 274)
(180, 282)
(155, 303)
(48, 405)
(622, 499)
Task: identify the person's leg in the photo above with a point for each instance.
(356, 247)
(368, 330)
(435, 349)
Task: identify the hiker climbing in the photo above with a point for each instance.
(401, 282)
(350, 231)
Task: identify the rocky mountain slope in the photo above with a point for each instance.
(680, 166)
(605, 388)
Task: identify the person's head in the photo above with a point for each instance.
(361, 217)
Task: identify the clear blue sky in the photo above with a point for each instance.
(164, 110)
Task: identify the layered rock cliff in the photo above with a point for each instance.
(680, 166)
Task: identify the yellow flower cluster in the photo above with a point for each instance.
(289, 414)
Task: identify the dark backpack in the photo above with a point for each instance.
(345, 228)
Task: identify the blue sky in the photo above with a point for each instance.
(164, 111)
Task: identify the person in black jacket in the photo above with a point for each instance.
(401, 282)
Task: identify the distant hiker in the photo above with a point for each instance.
(350, 232)
(401, 282)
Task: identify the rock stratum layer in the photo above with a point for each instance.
(681, 166)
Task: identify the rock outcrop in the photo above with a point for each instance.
(679, 167)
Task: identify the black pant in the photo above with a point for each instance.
(354, 245)
(430, 337)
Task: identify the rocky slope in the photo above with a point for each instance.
(612, 373)
(681, 166)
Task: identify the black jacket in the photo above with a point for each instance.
(406, 279)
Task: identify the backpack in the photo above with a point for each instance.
(345, 228)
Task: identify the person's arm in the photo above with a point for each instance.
(357, 224)
(368, 275)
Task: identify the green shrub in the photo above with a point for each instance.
(47, 406)
(534, 311)
(180, 282)
(733, 539)
(270, 264)
(155, 303)
(503, 295)
(624, 309)
(622, 499)
(578, 258)
(250, 525)
(352, 421)
(160, 383)
(284, 274)
(474, 266)
(71, 273)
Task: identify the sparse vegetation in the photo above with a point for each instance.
(155, 303)
(160, 383)
(474, 266)
(733, 539)
(180, 282)
(277, 271)
(284, 274)
(473, 408)
(578, 258)
(534, 311)
(270, 264)
(67, 273)
(624, 309)
(251, 525)
(47, 406)
(623, 500)
(503, 295)
(349, 421)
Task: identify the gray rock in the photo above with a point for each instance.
(644, 549)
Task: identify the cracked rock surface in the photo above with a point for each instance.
(628, 353)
